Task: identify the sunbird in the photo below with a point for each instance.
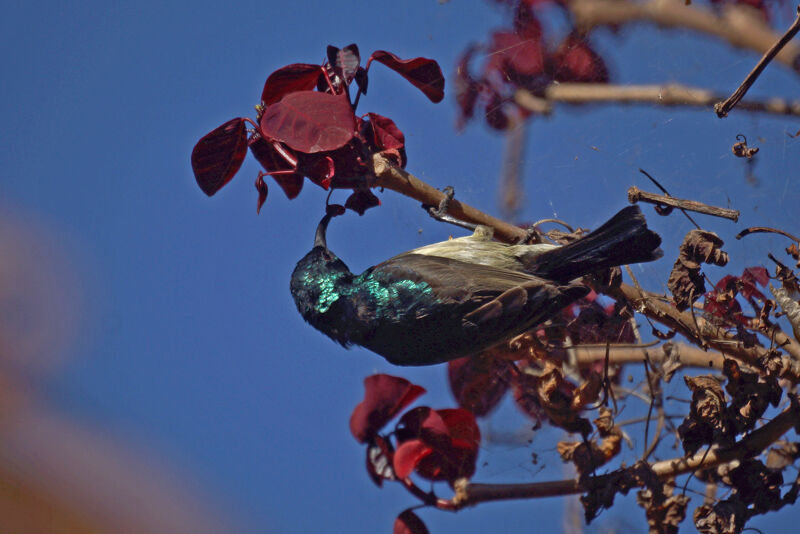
(461, 296)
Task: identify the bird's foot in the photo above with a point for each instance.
(440, 213)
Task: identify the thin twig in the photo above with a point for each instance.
(663, 190)
(766, 229)
(637, 195)
(722, 108)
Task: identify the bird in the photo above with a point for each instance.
(462, 296)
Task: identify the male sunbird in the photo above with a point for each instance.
(458, 297)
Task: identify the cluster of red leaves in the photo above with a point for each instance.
(306, 126)
(436, 444)
(519, 58)
(721, 302)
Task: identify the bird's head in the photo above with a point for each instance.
(318, 276)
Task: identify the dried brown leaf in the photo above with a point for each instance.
(685, 280)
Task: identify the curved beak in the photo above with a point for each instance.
(319, 237)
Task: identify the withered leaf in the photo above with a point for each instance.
(724, 517)
(707, 422)
(664, 510)
(685, 280)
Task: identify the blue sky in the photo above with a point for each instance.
(188, 343)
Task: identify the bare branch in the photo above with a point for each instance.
(637, 195)
(737, 25)
(468, 494)
(669, 95)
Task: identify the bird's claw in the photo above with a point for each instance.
(440, 213)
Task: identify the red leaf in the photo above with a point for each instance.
(310, 121)
(516, 58)
(757, 275)
(423, 73)
(218, 155)
(478, 382)
(362, 200)
(383, 135)
(269, 157)
(467, 89)
(290, 79)
(495, 115)
(408, 455)
(262, 189)
(439, 445)
(526, 25)
(291, 183)
(409, 523)
(424, 423)
(384, 397)
(575, 61)
(386, 134)
(276, 165)
(319, 168)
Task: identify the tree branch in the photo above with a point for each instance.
(469, 494)
(669, 95)
(738, 25)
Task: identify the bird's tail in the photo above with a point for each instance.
(622, 240)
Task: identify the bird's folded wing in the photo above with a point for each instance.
(457, 281)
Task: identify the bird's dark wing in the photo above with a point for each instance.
(473, 308)
(456, 281)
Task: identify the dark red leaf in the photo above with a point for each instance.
(516, 58)
(495, 115)
(757, 275)
(467, 89)
(424, 423)
(319, 168)
(462, 426)
(310, 121)
(269, 157)
(262, 189)
(409, 523)
(575, 61)
(526, 25)
(290, 79)
(386, 134)
(291, 183)
(423, 73)
(275, 164)
(346, 61)
(362, 79)
(479, 382)
(379, 461)
(384, 397)
(361, 200)
(218, 155)
(439, 445)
